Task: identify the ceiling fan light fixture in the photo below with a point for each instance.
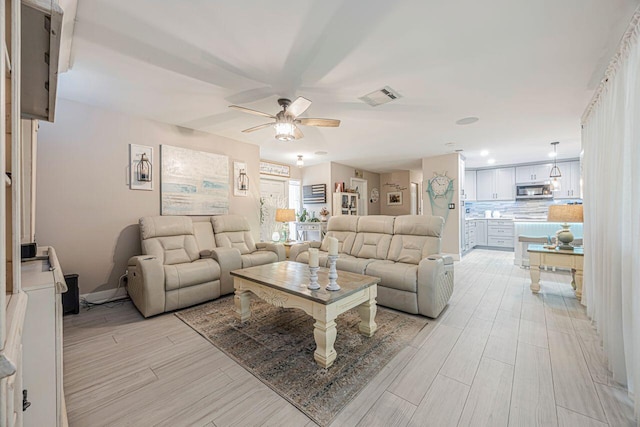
(284, 131)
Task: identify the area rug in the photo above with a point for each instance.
(276, 345)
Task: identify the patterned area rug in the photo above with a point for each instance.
(276, 345)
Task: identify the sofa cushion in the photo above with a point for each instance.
(233, 231)
(400, 276)
(352, 264)
(415, 237)
(371, 245)
(258, 258)
(194, 273)
(323, 258)
(343, 228)
(162, 226)
(172, 249)
(203, 231)
(375, 224)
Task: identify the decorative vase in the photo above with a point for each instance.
(565, 236)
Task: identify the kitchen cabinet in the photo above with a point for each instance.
(569, 182)
(481, 232)
(500, 233)
(345, 204)
(533, 173)
(495, 184)
(469, 186)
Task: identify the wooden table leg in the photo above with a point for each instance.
(243, 305)
(534, 271)
(578, 281)
(367, 311)
(325, 335)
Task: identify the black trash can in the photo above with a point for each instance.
(71, 298)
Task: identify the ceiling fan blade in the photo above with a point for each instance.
(250, 111)
(299, 106)
(331, 123)
(297, 133)
(258, 127)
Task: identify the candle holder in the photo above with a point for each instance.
(333, 274)
(313, 278)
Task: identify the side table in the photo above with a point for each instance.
(574, 260)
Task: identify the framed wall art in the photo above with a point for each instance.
(141, 167)
(394, 198)
(194, 182)
(275, 169)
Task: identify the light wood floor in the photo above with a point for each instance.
(498, 356)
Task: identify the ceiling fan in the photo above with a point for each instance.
(286, 121)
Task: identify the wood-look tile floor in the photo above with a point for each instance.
(499, 355)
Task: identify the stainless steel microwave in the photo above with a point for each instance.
(537, 190)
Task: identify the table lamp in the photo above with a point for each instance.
(285, 216)
(566, 214)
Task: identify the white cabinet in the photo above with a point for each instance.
(345, 204)
(469, 186)
(532, 173)
(500, 233)
(570, 181)
(495, 184)
(481, 232)
(43, 283)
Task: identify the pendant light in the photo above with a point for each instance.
(555, 174)
(300, 162)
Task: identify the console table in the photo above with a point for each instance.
(541, 256)
(303, 229)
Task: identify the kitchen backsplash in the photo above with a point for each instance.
(520, 209)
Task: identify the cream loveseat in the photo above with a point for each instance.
(186, 263)
(403, 251)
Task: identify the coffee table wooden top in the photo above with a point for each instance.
(293, 277)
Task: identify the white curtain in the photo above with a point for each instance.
(611, 173)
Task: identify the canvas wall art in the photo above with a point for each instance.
(194, 182)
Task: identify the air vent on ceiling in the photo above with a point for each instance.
(381, 96)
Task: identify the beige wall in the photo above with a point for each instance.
(390, 183)
(85, 207)
(449, 163)
(344, 173)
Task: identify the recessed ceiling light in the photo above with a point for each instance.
(484, 153)
(320, 153)
(467, 120)
(552, 154)
(449, 144)
(491, 161)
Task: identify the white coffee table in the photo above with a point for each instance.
(283, 284)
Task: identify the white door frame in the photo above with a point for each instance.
(362, 194)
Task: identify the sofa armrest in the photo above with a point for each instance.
(277, 248)
(145, 284)
(447, 259)
(435, 284)
(229, 259)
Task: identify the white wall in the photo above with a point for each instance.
(85, 207)
(449, 163)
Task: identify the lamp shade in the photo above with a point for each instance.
(285, 215)
(565, 213)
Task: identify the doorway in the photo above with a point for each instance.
(415, 209)
(360, 186)
(273, 195)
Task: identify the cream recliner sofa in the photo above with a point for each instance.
(403, 251)
(183, 264)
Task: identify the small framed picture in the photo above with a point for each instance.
(394, 198)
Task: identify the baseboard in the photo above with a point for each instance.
(104, 295)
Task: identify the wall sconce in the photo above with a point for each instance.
(243, 181)
(144, 169)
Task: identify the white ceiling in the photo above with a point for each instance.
(526, 68)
